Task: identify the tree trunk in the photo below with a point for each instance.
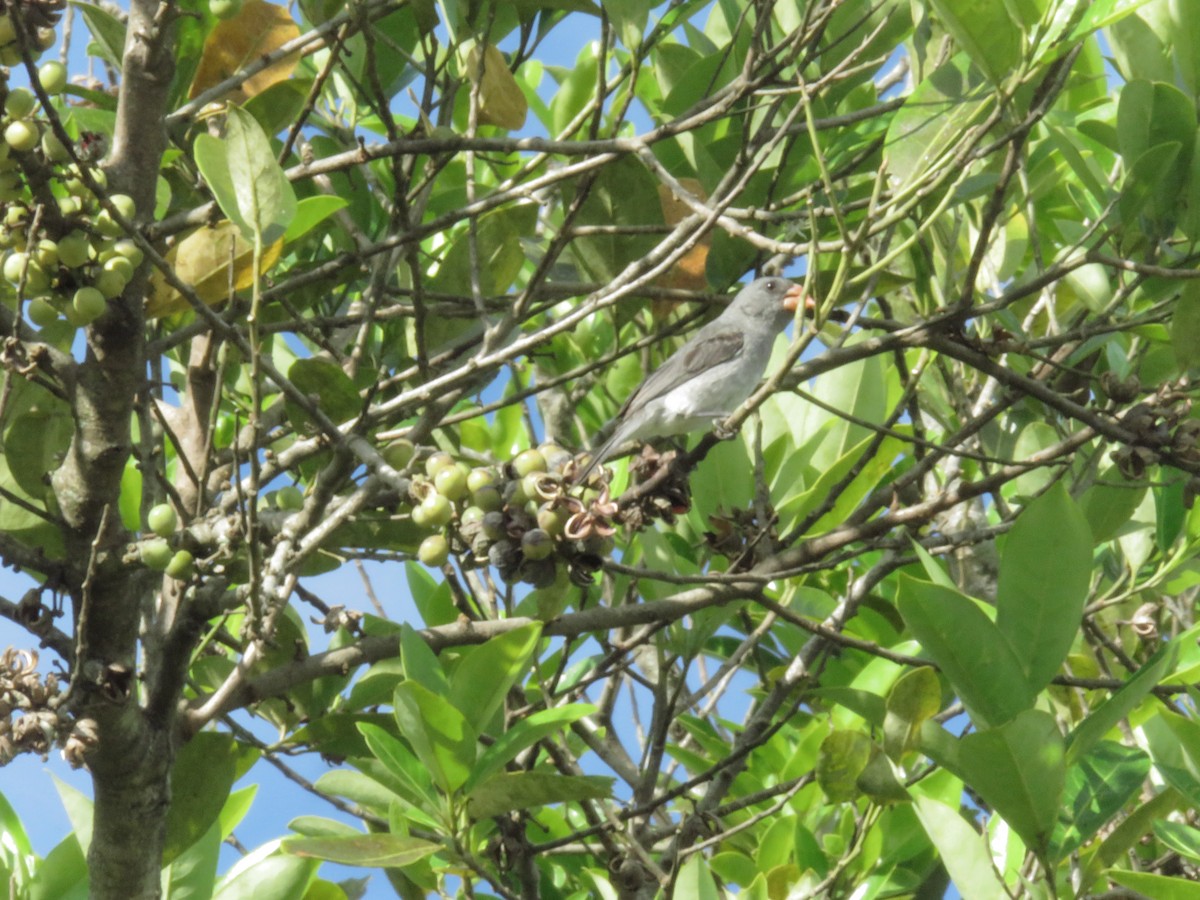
(131, 760)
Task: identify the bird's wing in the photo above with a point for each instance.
(701, 353)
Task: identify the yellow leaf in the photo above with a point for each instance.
(258, 29)
(501, 101)
(203, 260)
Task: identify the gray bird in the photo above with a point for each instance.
(709, 376)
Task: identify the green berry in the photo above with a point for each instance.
(14, 266)
(488, 498)
(437, 510)
(121, 266)
(21, 135)
(451, 483)
(399, 453)
(53, 77)
(434, 550)
(471, 518)
(129, 250)
(181, 566)
(480, 478)
(437, 462)
(552, 519)
(124, 205)
(110, 283)
(156, 554)
(88, 304)
(74, 250)
(528, 462)
(41, 312)
(19, 103)
(162, 520)
(45, 252)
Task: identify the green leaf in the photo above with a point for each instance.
(440, 735)
(695, 880)
(62, 874)
(311, 212)
(203, 773)
(421, 663)
(108, 31)
(629, 18)
(410, 779)
(324, 380)
(485, 674)
(1174, 744)
(265, 201)
(525, 733)
(842, 758)
(431, 597)
(1019, 768)
(269, 878)
(373, 850)
(962, 849)
(193, 874)
(914, 699)
(1097, 787)
(1045, 571)
(1160, 887)
(526, 790)
(212, 160)
(934, 117)
(623, 193)
(500, 256)
(970, 650)
(1120, 703)
(1183, 839)
(987, 32)
(1185, 327)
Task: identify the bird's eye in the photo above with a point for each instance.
(771, 285)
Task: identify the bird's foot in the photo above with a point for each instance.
(722, 433)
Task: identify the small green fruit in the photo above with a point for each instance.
(14, 266)
(53, 77)
(89, 304)
(480, 478)
(471, 518)
(19, 103)
(434, 550)
(156, 554)
(74, 250)
(181, 566)
(124, 205)
(121, 266)
(488, 498)
(45, 252)
(451, 483)
(162, 520)
(437, 462)
(437, 510)
(130, 251)
(22, 135)
(41, 312)
(399, 453)
(528, 462)
(110, 283)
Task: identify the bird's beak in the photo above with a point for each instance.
(793, 298)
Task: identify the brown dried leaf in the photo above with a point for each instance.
(202, 259)
(260, 28)
(501, 101)
(688, 274)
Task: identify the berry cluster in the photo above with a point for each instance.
(65, 255)
(519, 518)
